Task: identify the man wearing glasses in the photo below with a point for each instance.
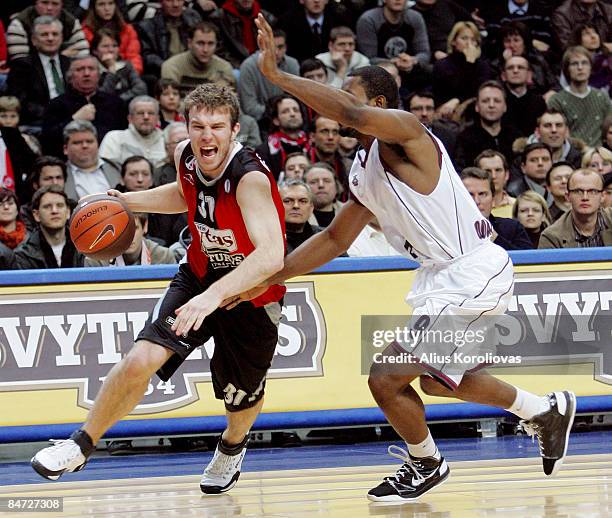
(587, 224)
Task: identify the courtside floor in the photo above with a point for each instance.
(489, 477)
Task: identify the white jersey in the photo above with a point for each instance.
(434, 228)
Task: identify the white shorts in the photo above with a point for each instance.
(454, 304)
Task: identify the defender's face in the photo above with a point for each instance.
(212, 136)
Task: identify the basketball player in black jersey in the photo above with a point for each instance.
(236, 219)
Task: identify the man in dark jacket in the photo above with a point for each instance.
(165, 35)
(49, 246)
(298, 201)
(507, 233)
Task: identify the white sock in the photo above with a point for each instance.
(427, 448)
(526, 405)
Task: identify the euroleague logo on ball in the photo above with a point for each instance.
(89, 214)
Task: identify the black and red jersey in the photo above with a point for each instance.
(220, 240)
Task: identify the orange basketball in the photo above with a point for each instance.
(102, 227)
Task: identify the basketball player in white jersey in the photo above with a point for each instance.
(405, 178)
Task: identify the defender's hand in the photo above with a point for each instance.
(265, 39)
(251, 294)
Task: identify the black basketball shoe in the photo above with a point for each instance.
(552, 428)
(414, 478)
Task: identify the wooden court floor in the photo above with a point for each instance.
(500, 487)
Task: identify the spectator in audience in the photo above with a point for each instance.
(82, 101)
(298, 201)
(324, 184)
(314, 69)
(295, 166)
(199, 63)
(556, 185)
(607, 194)
(12, 230)
(10, 109)
(142, 137)
(399, 34)
(117, 77)
(249, 134)
(576, 12)
(597, 159)
(507, 233)
(516, 41)
(142, 251)
(104, 14)
(165, 35)
(19, 31)
(288, 136)
(457, 77)
(47, 170)
(440, 16)
(168, 96)
(136, 174)
(531, 211)
(536, 161)
(87, 172)
(39, 76)
(489, 131)
(325, 144)
(585, 108)
(494, 163)
(15, 162)
(341, 58)
(49, 246)
(371, 242)
(588, 36)
(525, 106)
(236, 21)
(254, 90)
(174, 134)
(606, 132)
(307, 27)
(586, 224)
(422, 105)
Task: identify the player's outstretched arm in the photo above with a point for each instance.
(391, 126)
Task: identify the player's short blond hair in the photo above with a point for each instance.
(211, 96)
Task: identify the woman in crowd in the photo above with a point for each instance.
(12, 230)
(104, 14)
(598, 159)
(531, 210)
(588, 36)
(457, 77)
(117, 77)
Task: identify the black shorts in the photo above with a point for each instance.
(245, 341)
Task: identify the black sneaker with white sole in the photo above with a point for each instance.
(552, 428)
(223, 470)
(416, 476)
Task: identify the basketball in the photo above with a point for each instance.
(102, 227)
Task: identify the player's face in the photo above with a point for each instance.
(9, 119)
(82, 149)
(326, 136)
(144, 117)
(295, 167)
(298, 207)
(323, 185)
(138, 176)
(8, 211)
(211, 135)
(495, 167)
(51, 175)
(552, 130)
(353, 86)
(53, 212)
(530, 214)
(480, 190)
(558, 180)
(537, 164)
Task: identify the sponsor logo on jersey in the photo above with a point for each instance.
(219, 245)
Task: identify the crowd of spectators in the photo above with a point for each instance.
(518, 91)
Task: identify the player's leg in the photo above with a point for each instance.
(423, 467)
(245, 341)
(550, 417)
(121, 391)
